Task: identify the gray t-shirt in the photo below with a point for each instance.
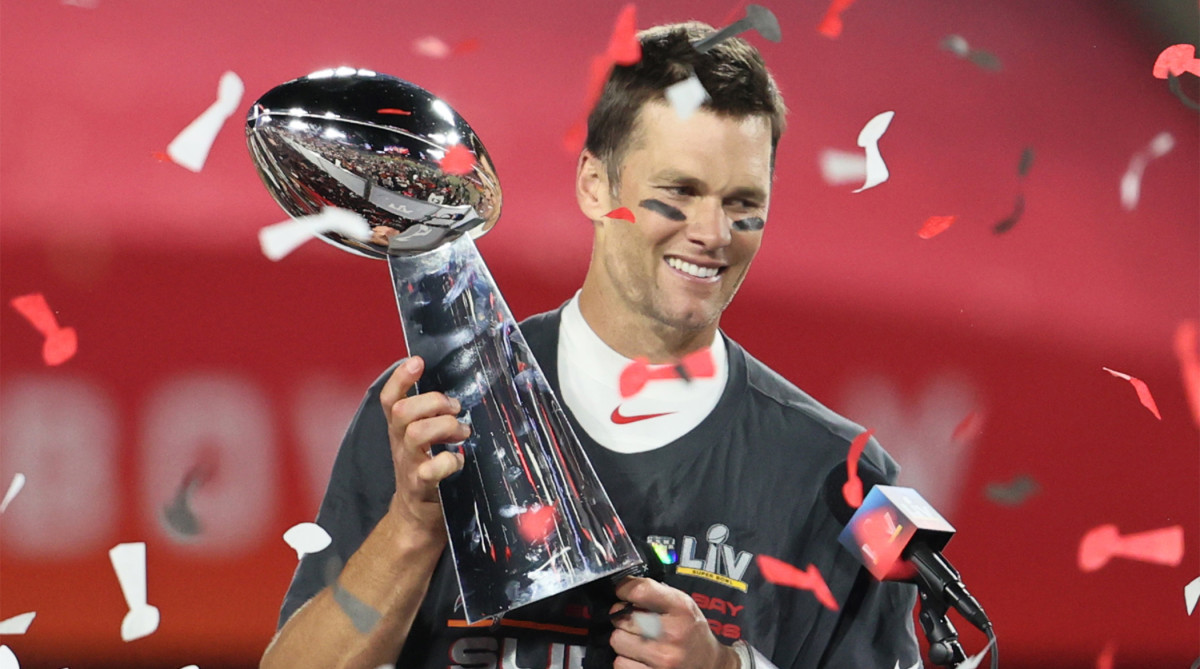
(747, 481)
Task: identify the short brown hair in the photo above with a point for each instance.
(733, 73)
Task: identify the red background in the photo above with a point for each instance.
(159, 271)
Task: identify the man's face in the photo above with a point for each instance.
(699, 189)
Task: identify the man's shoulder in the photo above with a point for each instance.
(542, 323)
(541, 333)
(771, 387)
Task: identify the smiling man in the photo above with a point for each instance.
(656, 288)
(711, 470)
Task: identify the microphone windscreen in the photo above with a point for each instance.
(890, 521)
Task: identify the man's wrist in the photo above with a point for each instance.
(412, 538)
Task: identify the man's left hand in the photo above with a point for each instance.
(683, 639)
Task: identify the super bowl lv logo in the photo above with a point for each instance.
(721, 562)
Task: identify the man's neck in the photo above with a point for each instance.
(637, 336)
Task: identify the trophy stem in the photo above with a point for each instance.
(527, 517)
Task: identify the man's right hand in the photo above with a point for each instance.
(391, 570)
(414, 425)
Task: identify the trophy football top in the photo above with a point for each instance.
(372, 144)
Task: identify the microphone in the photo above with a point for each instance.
(897, 535)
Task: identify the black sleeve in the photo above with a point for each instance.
(360, 488)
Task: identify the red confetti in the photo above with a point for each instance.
(465, 46)
(1103, 543)
(697, 365)
(1143, 391)
(935, 225)
(700, 363)
(1176, 60)
(389, 110)
(536, 524)
(576, 136)
(852, 489)
(637, 374)
(1105, 659)
(597, 76)
(781, 573)
(734, 14)
(61, 343)
(968, 427)
(622, 213)
(161, 156)
(1187, 350)
(831, 25)
(458, 160)
(624, 47)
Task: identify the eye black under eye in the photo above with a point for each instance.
(663, 209)
(750, 224)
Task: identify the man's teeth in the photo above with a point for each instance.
(694, 270)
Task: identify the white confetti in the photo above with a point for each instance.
(686, 96)
(17, 624)
(1191, 594)
(956, 44)
(868, 138)
(7, 659)
(1119, 375)
(190, 148)
(280, 239)
(307, 538)
(129, 562)
(1131, 182)
(973, 661)
(649, 624)
(915, 666)
(18, 482)
(431, 47)
(839, 168)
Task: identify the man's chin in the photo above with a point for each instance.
(689, 319)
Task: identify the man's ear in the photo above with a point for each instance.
(592, 189)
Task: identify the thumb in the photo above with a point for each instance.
(402, 379)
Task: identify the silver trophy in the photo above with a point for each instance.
(527, 517)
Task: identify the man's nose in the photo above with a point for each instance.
(711, 227)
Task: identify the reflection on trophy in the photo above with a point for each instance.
(527, 517)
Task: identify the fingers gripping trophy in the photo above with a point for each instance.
(526, 516)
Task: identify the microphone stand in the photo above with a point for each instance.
(933, 575)
(944, 648)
